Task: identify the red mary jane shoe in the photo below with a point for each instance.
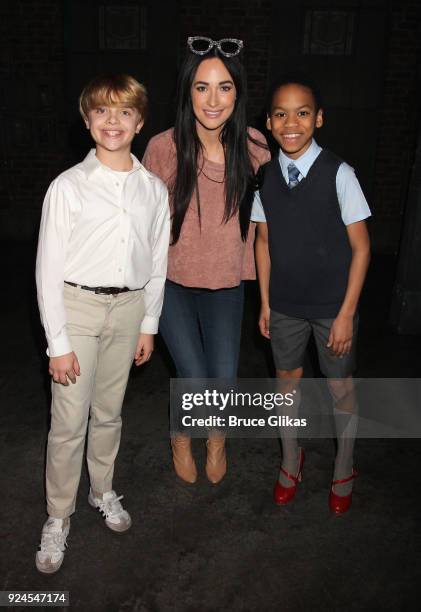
(339, 504)
(283, 495)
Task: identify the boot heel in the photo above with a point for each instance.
(184, 464)
(216, 461)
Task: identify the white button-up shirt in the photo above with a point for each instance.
(101, 228)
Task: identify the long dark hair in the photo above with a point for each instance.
(239, 174)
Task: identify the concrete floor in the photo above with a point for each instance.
(204, 547)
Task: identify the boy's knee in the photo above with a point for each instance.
(296, 373)
(288, 379)
(72, 434)
(340, 388)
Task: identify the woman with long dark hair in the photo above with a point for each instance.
(208, 161)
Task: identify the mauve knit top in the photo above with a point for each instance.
(210, 255)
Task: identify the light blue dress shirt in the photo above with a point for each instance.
(351, 199)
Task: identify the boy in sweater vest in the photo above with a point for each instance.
(312, 254)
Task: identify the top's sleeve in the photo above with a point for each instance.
(149, 160)
(257, 212)
(54, 235)
(159, 157)
(264, 156)
(154, 289)
(351, 199)
(259, 153)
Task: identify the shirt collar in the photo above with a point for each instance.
(304, 162)
(91, 164)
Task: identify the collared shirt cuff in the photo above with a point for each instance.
(59, 346)
(149, 325)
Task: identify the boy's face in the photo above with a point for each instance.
(114, 127)
(294, 118)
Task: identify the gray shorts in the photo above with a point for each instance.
(289, 338)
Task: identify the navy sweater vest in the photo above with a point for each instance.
(308, 243)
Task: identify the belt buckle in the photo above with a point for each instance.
(108, 291)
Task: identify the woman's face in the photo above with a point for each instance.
(213, 94)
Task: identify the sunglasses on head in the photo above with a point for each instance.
(226, 46)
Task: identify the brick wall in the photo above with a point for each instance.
(400, 116)
(33, 130)
(34, 133)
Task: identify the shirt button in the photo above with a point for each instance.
(125, 211)
(117, 184)
(123, 241)
(120, 270)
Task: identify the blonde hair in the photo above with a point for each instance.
(111, 90)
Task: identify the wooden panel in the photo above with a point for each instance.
(328, 32)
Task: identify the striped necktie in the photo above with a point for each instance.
(293, 174)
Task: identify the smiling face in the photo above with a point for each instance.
(113, 128)
(294, 118)
(213, 95)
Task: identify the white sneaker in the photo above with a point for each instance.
(116, 518)
(53, 544)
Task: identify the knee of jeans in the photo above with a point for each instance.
(223, 370)
(191, 371)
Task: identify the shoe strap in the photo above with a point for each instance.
(344, 480)
(300, 467)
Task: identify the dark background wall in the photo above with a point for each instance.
(364, 53)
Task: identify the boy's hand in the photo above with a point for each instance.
(64, 367)
(264, 319)
(144, 349)
(340, 337)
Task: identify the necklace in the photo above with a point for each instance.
(211, 179)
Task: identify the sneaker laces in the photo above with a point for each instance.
(53, 542)
(111, 507)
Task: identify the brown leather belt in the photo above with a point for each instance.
(100, 290)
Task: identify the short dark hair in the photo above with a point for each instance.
(297, 78)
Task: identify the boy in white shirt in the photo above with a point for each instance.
(101, 268)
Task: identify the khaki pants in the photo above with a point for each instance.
(103, 330)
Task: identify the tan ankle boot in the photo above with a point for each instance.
(184, 464)
(216, 463)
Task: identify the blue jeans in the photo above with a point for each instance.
(202, 330)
